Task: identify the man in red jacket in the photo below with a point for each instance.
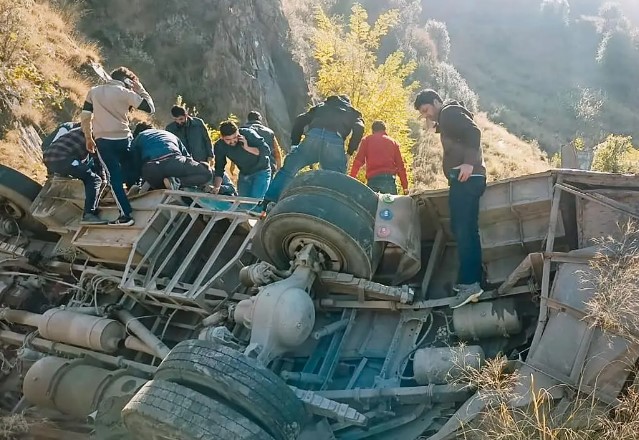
(380, 153)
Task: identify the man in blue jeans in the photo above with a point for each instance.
(329, 124)
(464, 166)
(105, 124)
(251, 155)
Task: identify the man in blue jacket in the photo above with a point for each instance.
(164, 159)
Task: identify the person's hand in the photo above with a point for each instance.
(136, 85)
(90, 143)
(405, 191)
(241, 139)
(213, 190)
(465, 170)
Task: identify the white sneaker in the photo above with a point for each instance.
(466, 293)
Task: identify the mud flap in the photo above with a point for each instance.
(397, 223)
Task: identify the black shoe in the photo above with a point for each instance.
(92, 219)
(123, 220)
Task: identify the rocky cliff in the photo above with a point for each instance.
(222, 56)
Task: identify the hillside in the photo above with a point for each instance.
(44, 77)
(214, 67)
(554, 73)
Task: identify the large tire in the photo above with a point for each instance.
(343, 234)
(165, 410)
(334, 212)
(341, 185)
(226, 374)
(21, 191)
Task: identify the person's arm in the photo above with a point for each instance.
(254, 144)
(461, 125)
(86, 122)
(300, 123)
(183, 149)
(207, 141)
(360, 159)
(401, 168)
(277, 153)
(220, 164)
(139, 98)
(356, 135)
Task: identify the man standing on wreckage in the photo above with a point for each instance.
(329, 124)
(465, 169)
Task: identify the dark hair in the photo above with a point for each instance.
(228, 128)
(427, 96)
(254, 116)
(140, 127)
(378, 126)
(122, 73)
(177, 111)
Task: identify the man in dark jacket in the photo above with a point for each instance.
(254, 122)
(464, 166)
(61, 129)
(249, 152)
(329, 124)
(163, 158)
(68, 156)
(193, 134)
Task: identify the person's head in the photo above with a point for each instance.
(428, 103)
(378, 126)
(254, 116)
(229, 132)
(122, 74)
(140, 127)
(179, 115)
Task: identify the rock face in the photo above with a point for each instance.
(222, 56)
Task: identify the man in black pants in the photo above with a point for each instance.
(68, 156)
(464, 166)
(163, 158)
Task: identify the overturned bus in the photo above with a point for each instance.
(327, 319)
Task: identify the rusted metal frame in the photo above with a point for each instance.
(351, 285)
(226, 267)
(601, 199)
(176, 222)
(358, 371)
(435, 255)
(564, 257)
(328, 366)
(194, 291)
(192, 252)
(545, 276)
(401, 345)
(18, 339)
(177, 194)
(178, 243)
(161, 240)
(580, 359)
(204, 211)
(149, 299)
(419, 305)
(516, 214)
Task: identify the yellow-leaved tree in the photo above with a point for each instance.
(616, 154)
(347, 57)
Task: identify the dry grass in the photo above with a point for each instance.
(505, 154)
(13, 426)
(42, 77)
(613, 279)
